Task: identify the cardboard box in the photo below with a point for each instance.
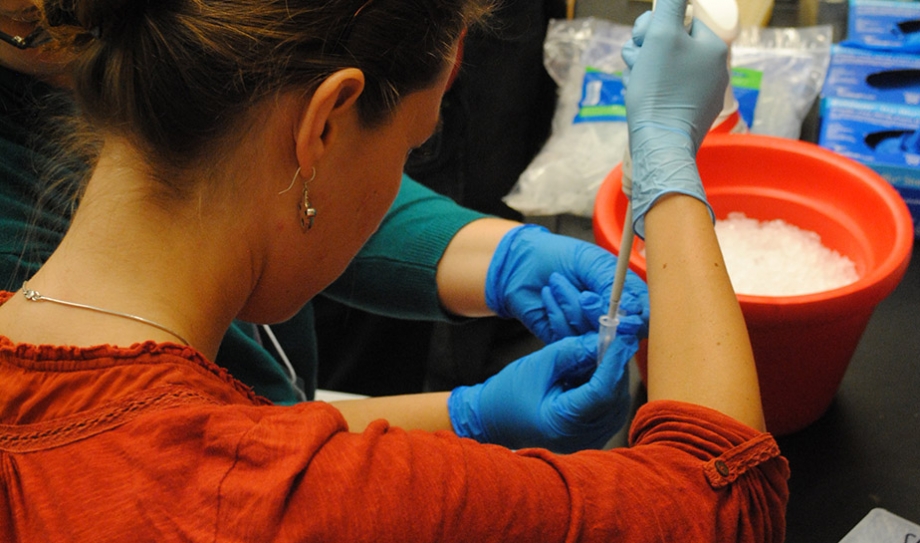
(863, 74)
(881, 135)
(884, 24)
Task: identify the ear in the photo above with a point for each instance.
(324, 111)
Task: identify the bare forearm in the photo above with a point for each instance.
(462, 271)
(411, 412)
(699, 351)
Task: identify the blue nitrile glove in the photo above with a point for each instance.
(556, 398)
(674, 91)
(521, 267)
(572, 312)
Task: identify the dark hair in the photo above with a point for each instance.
(177, 76)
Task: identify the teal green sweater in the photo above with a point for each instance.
(393, 275)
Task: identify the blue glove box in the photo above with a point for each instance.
(863, 74)
(881, 135)
(884, 24)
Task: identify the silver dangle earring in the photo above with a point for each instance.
(296, 175)
(308, 212)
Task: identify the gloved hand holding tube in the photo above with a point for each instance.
(669, 107)
(572, 311)
(556, 285)
(557, 398)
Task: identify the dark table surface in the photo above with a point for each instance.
(865, 451)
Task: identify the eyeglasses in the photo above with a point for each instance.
(34, 39)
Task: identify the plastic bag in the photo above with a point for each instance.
(568, 170)
(776, 73)
(791, 64)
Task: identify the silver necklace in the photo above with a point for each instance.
(35, 296)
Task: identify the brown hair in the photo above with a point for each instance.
(176, 77)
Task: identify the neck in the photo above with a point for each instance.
(35, 296)
(172, 263)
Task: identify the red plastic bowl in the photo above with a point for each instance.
(802, 344)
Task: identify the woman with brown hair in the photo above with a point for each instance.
(430, 259)
(249, 149)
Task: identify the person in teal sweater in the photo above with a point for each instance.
(430, 258)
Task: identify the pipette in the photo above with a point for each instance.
(607, 324)
(721, 16)
(607, 328)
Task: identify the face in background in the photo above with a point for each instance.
(20, 18)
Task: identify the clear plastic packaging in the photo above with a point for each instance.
(780, 73)
(568, 170)
(793, 63)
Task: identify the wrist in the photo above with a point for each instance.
(462, 269)
(651, 137)
(661, 166)
(505, 262)
(463, 411)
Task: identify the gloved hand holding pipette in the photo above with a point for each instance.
(556, 285)
(666, 123)
(557, 398)
(653, 129)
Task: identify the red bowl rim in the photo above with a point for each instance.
(878, 283)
